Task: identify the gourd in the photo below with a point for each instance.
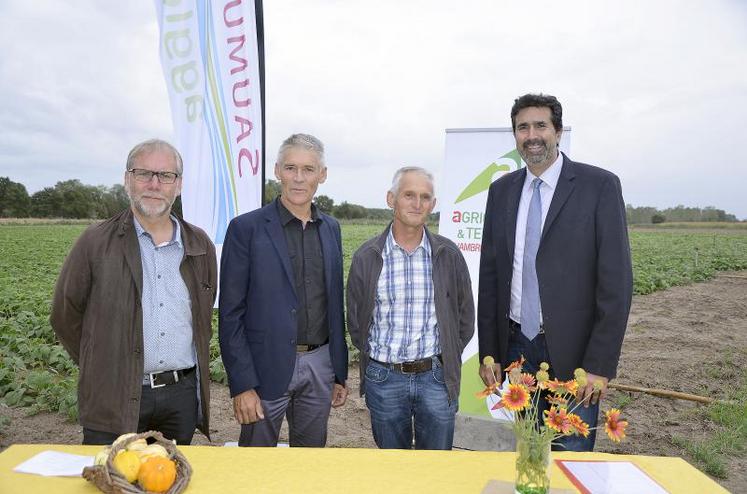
(157, 474)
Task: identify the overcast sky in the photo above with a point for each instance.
(655, 91)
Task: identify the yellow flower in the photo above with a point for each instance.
(545, 366)
(557, 400)
(516, 398)
(562, 387)
(488, 361)
(613, 426)
(489, 390)
(580, 427)
(558, 420)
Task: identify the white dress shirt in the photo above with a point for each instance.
(547, 190)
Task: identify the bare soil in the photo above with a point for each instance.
(691, 339)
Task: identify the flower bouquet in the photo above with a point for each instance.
(535, 434)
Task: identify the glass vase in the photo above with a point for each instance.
(532, 465)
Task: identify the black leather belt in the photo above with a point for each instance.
(515, 325)
(165, 378)
(412, 367)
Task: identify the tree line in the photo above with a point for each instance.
(651, 215)
(73, 199)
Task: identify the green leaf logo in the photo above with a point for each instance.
(482, 182)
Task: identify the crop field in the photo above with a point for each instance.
(35, 372)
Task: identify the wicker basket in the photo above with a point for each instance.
(109, 480)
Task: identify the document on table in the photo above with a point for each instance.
(609, 477)
(55, 464)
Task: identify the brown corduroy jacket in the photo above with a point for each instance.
(98, 318)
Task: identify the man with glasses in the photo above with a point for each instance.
(133, 306)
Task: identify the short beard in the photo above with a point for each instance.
(535, 159)
(154, 212)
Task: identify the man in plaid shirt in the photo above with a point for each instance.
(410, 313)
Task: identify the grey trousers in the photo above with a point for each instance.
(306, 404)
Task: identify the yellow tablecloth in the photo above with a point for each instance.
(342, 470)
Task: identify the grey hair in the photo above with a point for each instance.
(151, 146)
(305, 141)
(410, 169)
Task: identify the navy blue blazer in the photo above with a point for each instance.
(583, 268)
(258, 303)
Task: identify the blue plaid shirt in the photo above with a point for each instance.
(404, 326)
(167, 308)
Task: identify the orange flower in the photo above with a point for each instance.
(516, 364)
(516, 398)
(613, 426)
(489, 390)
(562, 387)
(557, 400)
(528, 381)
(580, 427)
(557, 419)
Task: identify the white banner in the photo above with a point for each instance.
(211, 62)
(474, 159)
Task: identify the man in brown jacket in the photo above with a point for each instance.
(133, 306)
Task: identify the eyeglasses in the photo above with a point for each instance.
(146, 176)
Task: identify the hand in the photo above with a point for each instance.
(592, 393)
(247, 407)
(489, 374)
(339, 395)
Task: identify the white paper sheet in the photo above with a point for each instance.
(611, 477)
(55, 464)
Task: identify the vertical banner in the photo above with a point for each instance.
(212, 53)
(474, 159)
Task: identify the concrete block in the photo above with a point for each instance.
(483, 434)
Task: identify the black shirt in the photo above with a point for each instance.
(307, 262)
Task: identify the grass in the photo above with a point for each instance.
(727, 436)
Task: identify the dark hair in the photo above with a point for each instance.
(539, 101)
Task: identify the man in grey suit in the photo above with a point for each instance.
(555, 269)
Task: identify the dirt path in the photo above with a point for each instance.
(691, 339)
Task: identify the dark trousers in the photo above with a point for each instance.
(535, 352)
(171, 410)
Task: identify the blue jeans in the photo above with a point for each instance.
(535, 352)
(397, 401)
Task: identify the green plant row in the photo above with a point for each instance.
(35, 372)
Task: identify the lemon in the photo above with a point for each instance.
(128, 464)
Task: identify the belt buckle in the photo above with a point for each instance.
(408, 367)
(152, 379)
(153, 384)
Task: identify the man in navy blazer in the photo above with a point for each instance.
(281, 307)
(555, 269)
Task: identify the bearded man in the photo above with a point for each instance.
(555, 273)
(133, 306)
